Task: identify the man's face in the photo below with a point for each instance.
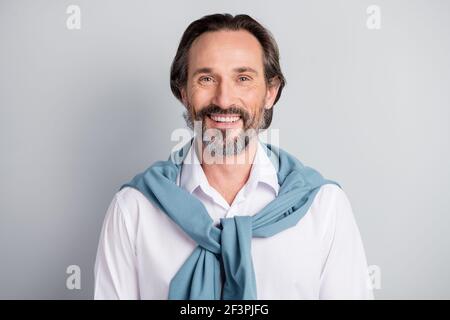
(226, 89)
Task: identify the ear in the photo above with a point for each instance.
(272, 92)
(184, 97)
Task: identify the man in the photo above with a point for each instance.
(231, 217)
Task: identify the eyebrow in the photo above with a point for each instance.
(236, 70)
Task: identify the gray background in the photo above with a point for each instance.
(82, 111)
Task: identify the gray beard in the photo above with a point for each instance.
(222, 144)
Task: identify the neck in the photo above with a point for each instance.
(228, 174)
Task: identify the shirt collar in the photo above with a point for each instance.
(262, 171)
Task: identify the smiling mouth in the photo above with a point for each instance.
(224, 118)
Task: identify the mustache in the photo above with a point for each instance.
(212, 108)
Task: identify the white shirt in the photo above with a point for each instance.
(322, 257)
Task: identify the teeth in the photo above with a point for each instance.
(224, 119)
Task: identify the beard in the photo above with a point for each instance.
(225, 142)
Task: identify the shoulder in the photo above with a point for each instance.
(129, 197)
(330, 196)
(127, 205)
(330, 205)
(131, 201)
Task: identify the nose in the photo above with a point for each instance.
(224, 95)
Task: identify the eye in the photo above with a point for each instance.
(244, 78)
(206, 79)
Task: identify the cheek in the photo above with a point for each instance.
(254, 95)
(199, 98)
(255, 103)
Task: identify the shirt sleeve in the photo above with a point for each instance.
(345, 273)
(115, 268)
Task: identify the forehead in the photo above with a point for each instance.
(226, 49)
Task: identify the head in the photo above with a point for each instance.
(227, 74)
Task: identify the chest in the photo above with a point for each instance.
(287, 265)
